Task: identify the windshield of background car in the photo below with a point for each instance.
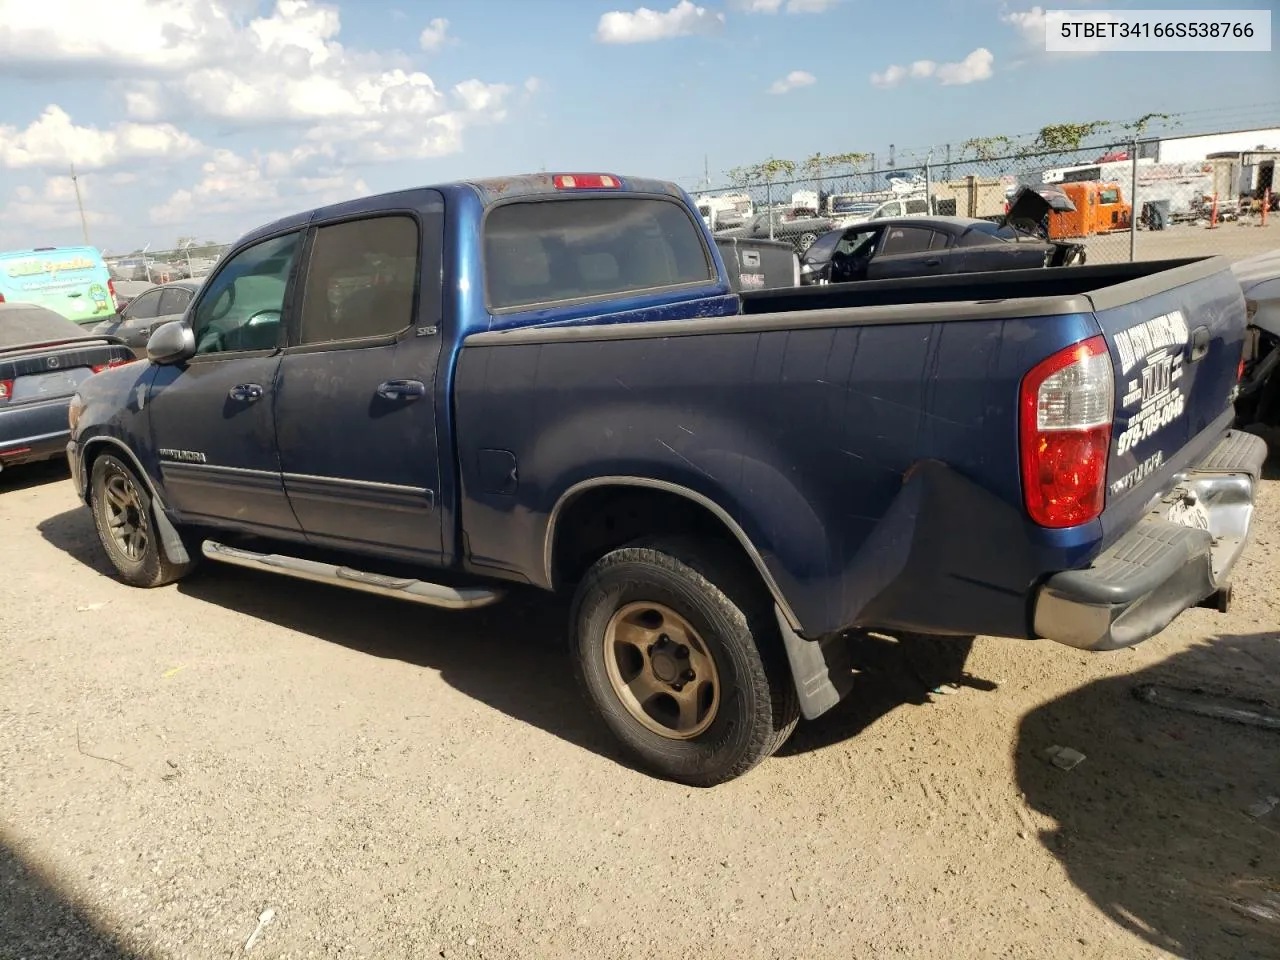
(551, 251)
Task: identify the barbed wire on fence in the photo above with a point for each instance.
(1127, 204)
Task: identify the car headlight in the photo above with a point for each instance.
(74, 409)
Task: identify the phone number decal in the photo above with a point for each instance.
(1154, 31)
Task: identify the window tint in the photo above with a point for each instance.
(143, 307)
(361, 280)
(907, 240)
(240, 309)
(173, 300)
(981, 234)
(890, 210)
(552, 250)
(940, 240)
(917, 206)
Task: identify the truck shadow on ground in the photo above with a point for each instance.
(39, 921)
(513, 656)
(1154, 826)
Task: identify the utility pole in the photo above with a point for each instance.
(706, 171)
(84, 223)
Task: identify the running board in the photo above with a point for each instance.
(417, 591)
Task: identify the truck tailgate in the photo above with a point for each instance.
(1176, 358)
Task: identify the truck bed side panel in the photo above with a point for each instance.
(804, 436)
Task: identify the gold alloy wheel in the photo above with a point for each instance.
(661, 670)
(126, 518)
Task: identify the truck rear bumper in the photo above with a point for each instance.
(1136, 587)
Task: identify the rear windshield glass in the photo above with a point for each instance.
(548, 251)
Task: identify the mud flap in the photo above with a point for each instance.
(820, 668)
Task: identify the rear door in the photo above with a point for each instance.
(356, 413)
(909, 251)
(212, 418)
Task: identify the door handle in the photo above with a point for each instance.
(246, 392)
(402, 389)
(932, 262)
(1199, 343)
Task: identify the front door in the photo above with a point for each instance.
(356, 409)
(212, 418)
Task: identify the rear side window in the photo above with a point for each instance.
(361, 280)
(549, 251)
(146, 306)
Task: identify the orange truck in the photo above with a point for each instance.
(1099, 208)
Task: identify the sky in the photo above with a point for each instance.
(206, 118)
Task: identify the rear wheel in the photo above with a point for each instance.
(126, 526)
(806, 241)
(682, 661)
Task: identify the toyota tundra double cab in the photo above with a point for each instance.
(549, 380)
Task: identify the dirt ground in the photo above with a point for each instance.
(1234, 240)
(393, 782)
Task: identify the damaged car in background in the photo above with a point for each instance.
(930, 246)
(1259, 397)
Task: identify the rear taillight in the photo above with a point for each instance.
(111, 289)
(1, 298)
(99, 367)
(1065, 412)
(6, 390)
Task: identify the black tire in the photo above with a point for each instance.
(142, 563)
(732, 617)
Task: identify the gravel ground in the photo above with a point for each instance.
(1235, 240)
(394, 782)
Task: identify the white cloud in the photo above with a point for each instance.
(976, 66)
(51, 208)
(645, 25)
(161, 34)
(52, 140)
(435, 35)
(231, 184)
(1030, 26)
(218, 60)
(890, 77)
(533, 85)
(1029, 23)
(793, 81)
(791, 6)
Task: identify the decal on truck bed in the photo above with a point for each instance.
(1158, 345)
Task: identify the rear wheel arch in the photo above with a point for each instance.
(596, 516)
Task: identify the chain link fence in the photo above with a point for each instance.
(1125, 209)
(161, 266)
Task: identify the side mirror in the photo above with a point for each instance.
(172, 343)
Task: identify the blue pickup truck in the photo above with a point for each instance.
(548, 380)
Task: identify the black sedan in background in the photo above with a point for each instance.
(44, 357)
(901, 247)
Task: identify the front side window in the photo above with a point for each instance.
(1109, 196)
(173, 301)
(549, 251)
(907, 240)
(241, 309)
(362, 280)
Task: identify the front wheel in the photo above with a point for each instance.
(806, 241)
(681, 659)
(126, 527)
